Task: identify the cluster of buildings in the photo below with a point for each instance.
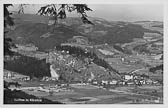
(130, 60)
(15, 76)
(63, 58)
(128, 79)
(132, 79)
(27, 47)
(46, 78)
(9, 58)
(66, 60)
(48, 89)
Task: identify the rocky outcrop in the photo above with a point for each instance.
(53, 73)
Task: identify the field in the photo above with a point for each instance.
(90, 94)
(123, 67)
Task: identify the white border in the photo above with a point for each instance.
(85, 1)
(165, 2)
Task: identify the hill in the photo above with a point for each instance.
(35, 29)
(76, 64)
(41, 35)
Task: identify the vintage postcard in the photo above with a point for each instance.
(83, 53)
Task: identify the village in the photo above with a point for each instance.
(62, 58)
(127, 79)
(83, 73)
(132, 82)
(49, 87)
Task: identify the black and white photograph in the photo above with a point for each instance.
(83, 53)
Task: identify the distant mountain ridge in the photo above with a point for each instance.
(35, 29)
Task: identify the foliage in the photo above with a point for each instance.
(160, 26)
(81, 53)
(8, 21)
(123, 50)
(56, 10)
(161, 57)
(7, 46)
(86, 62)
(153, 69)
(7, 84)
(141, 49)
(29, 66)
(117, 47)
(59, 11)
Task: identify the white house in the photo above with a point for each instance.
(149, 81)
(104, 82)
(121, 83)
(95, 82)
(113, 82)
(122, 59)
(143, 82)
(26, 78)
(8, 75)
(130, 83)
(128, 77)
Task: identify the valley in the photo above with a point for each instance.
(104, 63)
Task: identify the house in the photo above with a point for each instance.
(129, 83)
(122, 59)
(95, 82)
(142, 82)
(14, 75)
(45, 78)
(14, 85)
(128, 77)
(104, 82)
(149, 81)
(121, 83)
(113, 82)
(8, 75)
(136, 77)
(136, 82)
(60, 57)
(155, 82)
(26, 78)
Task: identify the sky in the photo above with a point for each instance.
(115, 12)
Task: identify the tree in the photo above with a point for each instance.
(59, 11)
(8, 21)
(29, 66)
(55, 10)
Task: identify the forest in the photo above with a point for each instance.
(29, 66)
